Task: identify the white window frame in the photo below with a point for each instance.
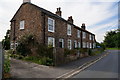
(78, 33)
(90, 45)
(90, 37)
(22, 24)
(94, 45)
(49, 25)
(69, 29)
(69, 44)
(62, 40)
(79, 45)
(53, 41)
(87, 44)
(84, 44)
(84, 35)
(75, 44)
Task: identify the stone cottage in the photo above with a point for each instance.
(49, 28)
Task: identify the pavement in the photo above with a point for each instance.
(23, 69)
(104, 68)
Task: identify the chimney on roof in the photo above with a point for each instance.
(70, 19)
(83, 26)
(59, 12)
(25, 1)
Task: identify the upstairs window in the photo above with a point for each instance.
(75, 44)
(51, 25)
(78, 33)
(22, 24)
(68, 29)
(90, 37)
(51, 42)
(69, 44)
(61, 43)
(84, 35)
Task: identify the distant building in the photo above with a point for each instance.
(49, 28)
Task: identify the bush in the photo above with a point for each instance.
(24, 46)
(89, 52)
(69, 52)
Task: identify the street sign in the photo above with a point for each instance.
(1, 61)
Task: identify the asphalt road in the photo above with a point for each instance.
(105, 68)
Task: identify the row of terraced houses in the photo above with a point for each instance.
(49, 28)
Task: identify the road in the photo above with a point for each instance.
(105, 68)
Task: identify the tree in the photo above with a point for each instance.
(112, 39)
(6, 41)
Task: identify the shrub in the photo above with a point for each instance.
(6, 66)
(24, 46)
(89, 52)
(69, 52)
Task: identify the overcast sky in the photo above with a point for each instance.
(98, 15)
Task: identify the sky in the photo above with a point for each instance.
(99, 16)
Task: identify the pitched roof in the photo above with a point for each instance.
(50, 14)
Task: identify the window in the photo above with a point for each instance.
(87, 44)
(79, 46)
(51, 25)
(51, 41)
(90, 45)
(61, 43)
(22, 24)
(78, 33)
(84, 35)
(90, 37)
(84, 45)
(68, 29)
(75, 44)
(69, 44)
(93, 38)
(11, 45)
(94, 45)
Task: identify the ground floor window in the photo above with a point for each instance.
(69, 44)
(90, 45)
(75, 44)
(87, 44)
(51, 41)
(84, 45)
(79, 46)
(61, 43)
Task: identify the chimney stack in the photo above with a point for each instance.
(70, 19)
(59, 12)
(83, 26)
(25, 1)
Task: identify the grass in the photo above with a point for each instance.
(113, 48)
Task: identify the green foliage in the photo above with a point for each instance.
(24, 46)
(7, 66)
(45, 51)
(112, 39)
(69, 52)
(83, 50)
(90, 52)
(6, 41)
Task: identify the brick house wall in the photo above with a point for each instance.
(36, 22)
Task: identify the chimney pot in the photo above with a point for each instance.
(83, 26)
(70, 19)
(59, 12)
(25, 1)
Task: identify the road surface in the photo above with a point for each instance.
(105, 68)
